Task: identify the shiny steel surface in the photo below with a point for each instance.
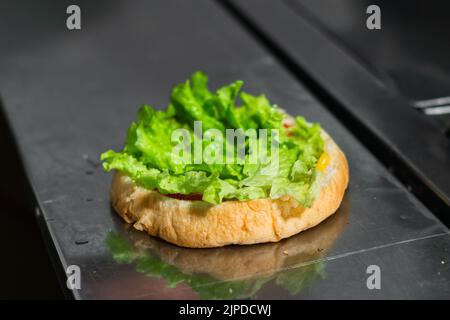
(71, 95)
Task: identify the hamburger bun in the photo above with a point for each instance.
(197, 224)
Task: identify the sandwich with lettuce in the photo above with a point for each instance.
(224, 167)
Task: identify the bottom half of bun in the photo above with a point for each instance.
(198, 224)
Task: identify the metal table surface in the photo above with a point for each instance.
(68, 96)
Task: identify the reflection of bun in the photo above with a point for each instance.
(198, 224)
(247, 262)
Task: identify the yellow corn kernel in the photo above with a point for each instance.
(323, 161)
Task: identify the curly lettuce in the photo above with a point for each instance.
(147, 156)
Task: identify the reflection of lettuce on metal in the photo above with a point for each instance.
(122, 251)
(208, 287)
(295, 281)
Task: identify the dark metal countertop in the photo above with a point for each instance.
(69, 96)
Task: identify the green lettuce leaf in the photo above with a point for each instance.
(147, 157)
